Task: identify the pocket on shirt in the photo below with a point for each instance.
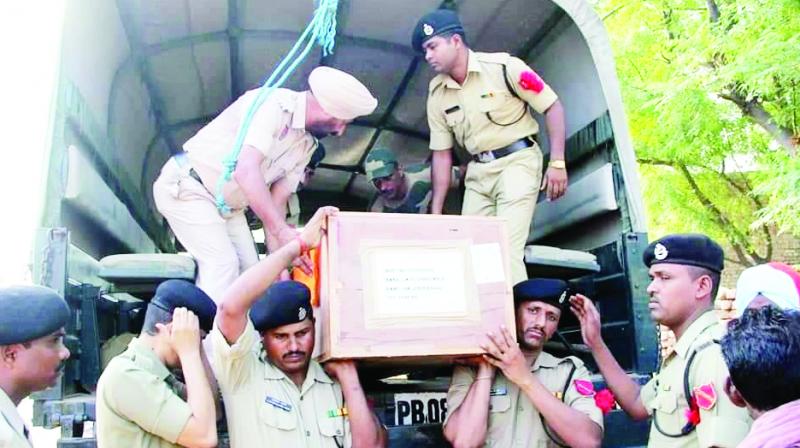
(499, 403)
(502, 108)
(331, 426)
(666, 402)
(278, 418)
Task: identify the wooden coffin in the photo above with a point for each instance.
(411, 289)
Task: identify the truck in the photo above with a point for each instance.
(138, 78)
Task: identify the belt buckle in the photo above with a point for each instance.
(486, 156)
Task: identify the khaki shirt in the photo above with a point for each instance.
(458, 113)
(513, 420)
(277, 131)
(725, 424)
(138, 403)
(293, 210)
(264, 407)
(12, 428)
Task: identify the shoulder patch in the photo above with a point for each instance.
(705, 396)
(496, 58)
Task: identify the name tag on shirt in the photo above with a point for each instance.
(497, 391)
(279, 404)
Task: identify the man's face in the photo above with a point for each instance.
(441, 52)
(672, 292)
(289, 347)
(42, 361)
(390, 187)
(536, 324)
(326, 125)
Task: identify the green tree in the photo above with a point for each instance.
(712, 94)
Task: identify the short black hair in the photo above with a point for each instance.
(696, 272)
(155, 315)
(762, 351)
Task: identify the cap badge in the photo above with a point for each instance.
(562, 298)
(301, 313)
(660, 252)
(427, 29)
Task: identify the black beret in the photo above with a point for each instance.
(548, 290)
(30, 312)
(317, 156)
(181, 294)
(284, 303)
(433, 24)
(691, 249)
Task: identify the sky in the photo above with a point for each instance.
(30, 34)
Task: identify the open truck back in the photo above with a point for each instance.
(138, 78)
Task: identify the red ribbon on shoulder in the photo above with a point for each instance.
(529, 80)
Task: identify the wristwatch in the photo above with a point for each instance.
(557, 164)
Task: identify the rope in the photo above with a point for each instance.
(321, 29)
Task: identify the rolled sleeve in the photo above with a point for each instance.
(462, 379)
(539, 101)
(582, 403)
(148, 401)
(441, 136)
(232, 364)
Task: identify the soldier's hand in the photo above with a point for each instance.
(504, 354)
(555, 181)
(589, 317)
(341, 370)
(316, 226)
(185, 332)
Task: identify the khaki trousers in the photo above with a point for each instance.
(508, 188)
(222, 246)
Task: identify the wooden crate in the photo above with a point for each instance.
(411, 289)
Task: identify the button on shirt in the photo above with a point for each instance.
(277, 131)
(458, 113)
(725, 424)
(13, 433)
(138, 402)
(513, 420)
(265, 407)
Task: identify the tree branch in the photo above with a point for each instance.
(754, 110)
(713, 11)
(735, 237)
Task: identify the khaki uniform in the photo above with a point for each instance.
(138, 403)
(264, 407)
(513, 420)
(725, 424)
(483, 115)
(13, 433)
(223, 245)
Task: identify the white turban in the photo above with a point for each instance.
(776, 281)
(341, 94)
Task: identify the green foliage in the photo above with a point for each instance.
(701, 91)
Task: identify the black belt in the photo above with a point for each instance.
(489, 156)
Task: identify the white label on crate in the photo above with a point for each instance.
(420, 408)
(487, 262)
(418, 281)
